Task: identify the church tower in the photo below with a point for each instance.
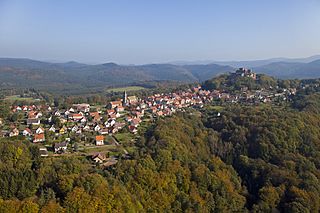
(124, 99)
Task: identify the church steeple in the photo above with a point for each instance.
(124, 98)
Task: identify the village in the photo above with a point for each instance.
(104, 133)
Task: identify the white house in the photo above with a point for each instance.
(99, 140)
(40, 130)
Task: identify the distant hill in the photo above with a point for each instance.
(205, 72)
(291, 69)
(72, 75)
(251, 63)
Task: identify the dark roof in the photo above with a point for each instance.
(100, 155)
(58, 145)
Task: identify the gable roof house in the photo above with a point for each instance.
(95, 116)
(33, 121)
(60, 147)
(63, 130)
(82, 107)
(109, 123)
(39, 130)
(14, 132)
(97, 128)
(119, 108)
(132, 99)
(114, 104)
(104, 131)
(99, 140)
(133, 129)
(52, 129)
(76, 116)
(38, 138)
(99, 157)
(26, 132)
(74, 128)
(86, 128)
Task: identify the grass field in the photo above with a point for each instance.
(124, 137)
(18, 98)
(122, 89)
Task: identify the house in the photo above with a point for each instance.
(26, 132)
(99, 140)
(86, 128)
(63, 130)
(114, 104)
(4, 133)
(82, 107)
(98, 157)
(43, 152)
(119, 108)
(133, 129)
(97, 128)
(119, 126)
(74, 129)
(38, 138)
(128, 118)
(38, 114)
(104, 131)
(79, 131)
(52, 129)
(114, 130)
(118, 115)
(135, 122)
(40, 130)
(76, 116)
(33, 121)
(110, 123)
(159, 113)
(60, 147)
(95, 116)
(16, 108)
(132, 99)
(32, 114)
(14, 132)
(83, 120)
(110, 111)
(57, 113)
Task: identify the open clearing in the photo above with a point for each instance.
(18, 98)
(122, 89)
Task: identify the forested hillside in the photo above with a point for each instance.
(70, 77)
(246, 158)
(224, 157)
(73, 77)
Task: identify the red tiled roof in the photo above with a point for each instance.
(99, 137)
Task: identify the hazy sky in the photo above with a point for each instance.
(145, 31)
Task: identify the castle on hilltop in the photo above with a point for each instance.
(243, 72)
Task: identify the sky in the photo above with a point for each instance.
(150, 31)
